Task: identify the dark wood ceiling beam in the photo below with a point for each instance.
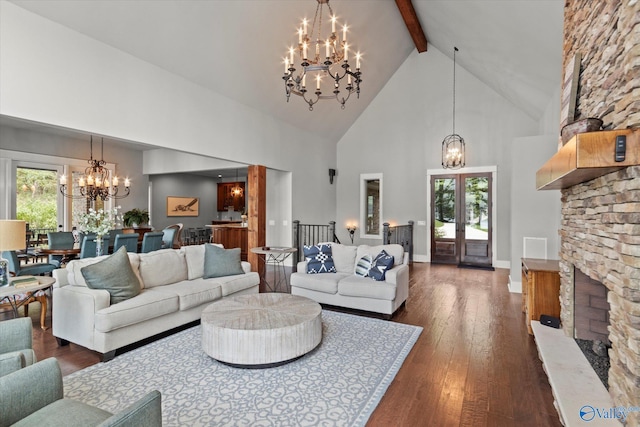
(413, 24)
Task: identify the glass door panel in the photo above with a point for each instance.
(476, 208)
(444, 219)
(476, 248)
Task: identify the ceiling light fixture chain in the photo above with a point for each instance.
(334, 66)
(96, 183)
(453, 146)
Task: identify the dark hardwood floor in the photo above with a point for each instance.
(473, 365)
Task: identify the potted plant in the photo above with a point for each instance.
(135, 217)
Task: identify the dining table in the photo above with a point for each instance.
(67, 254)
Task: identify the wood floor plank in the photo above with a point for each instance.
(473, 365)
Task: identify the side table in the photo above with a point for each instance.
(18, 297)
(274, 256)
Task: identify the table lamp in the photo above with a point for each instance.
(13, 235)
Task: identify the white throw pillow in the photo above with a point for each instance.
(344, 257)
(363, 266)
(194, 255)
(163, 267)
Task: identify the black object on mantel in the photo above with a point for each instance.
(550, 321)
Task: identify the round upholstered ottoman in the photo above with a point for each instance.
(261, 330)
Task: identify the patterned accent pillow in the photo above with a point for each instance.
(319, 259)
(363, 266)
(381, 263)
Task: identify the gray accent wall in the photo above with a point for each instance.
(183, 185)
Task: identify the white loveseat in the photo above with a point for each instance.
(346, 289)
(173, 293)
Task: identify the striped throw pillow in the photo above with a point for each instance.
(363, 266)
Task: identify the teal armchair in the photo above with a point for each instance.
(16, 345)
(33, 396)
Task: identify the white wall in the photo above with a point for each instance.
(401, 132)
(535, 213)
(129, 162)
(279, 205)
(53, 75)
(550, 122)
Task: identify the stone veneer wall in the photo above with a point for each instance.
(600, 231)
(607, 35)
(600, 236)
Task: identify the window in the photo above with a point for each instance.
(371, 206)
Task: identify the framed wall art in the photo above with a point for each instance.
(182, 206)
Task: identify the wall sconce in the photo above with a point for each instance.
(352, 230)
(332, 173)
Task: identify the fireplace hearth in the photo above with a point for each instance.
(598, 359)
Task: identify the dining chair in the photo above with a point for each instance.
(88, 245)
(112, 239)
(59, 240)
(130, 241)
(201, 235)
(33, 269)
(151, 241)
(173, 239)
(167, 237)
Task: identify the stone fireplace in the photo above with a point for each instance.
(600, 237)
(590, 309)
(600, 229)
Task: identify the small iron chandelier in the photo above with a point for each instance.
(236, 190)
(328, 70)
(453, 145)
(96, 182)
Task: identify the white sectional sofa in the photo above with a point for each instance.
(346, 289)
(173, 293)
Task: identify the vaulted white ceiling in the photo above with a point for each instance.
(235, 47)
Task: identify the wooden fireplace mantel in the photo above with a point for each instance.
(587, 156)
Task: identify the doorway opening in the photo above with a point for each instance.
(462, 219)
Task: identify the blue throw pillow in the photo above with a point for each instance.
(220, 262)
(381, 263)
(319, 259)
(115, 275)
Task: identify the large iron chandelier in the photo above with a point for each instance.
(96, 183)
(324, 62)
(453, 145)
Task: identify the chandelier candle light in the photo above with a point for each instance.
(96, 182)
(453, 145)
(330, 69)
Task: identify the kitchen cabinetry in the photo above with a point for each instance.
(540, 289)
(227, 199)
(231, 236)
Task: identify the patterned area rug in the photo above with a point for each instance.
(339, 383)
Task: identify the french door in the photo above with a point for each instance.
(461, 212)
